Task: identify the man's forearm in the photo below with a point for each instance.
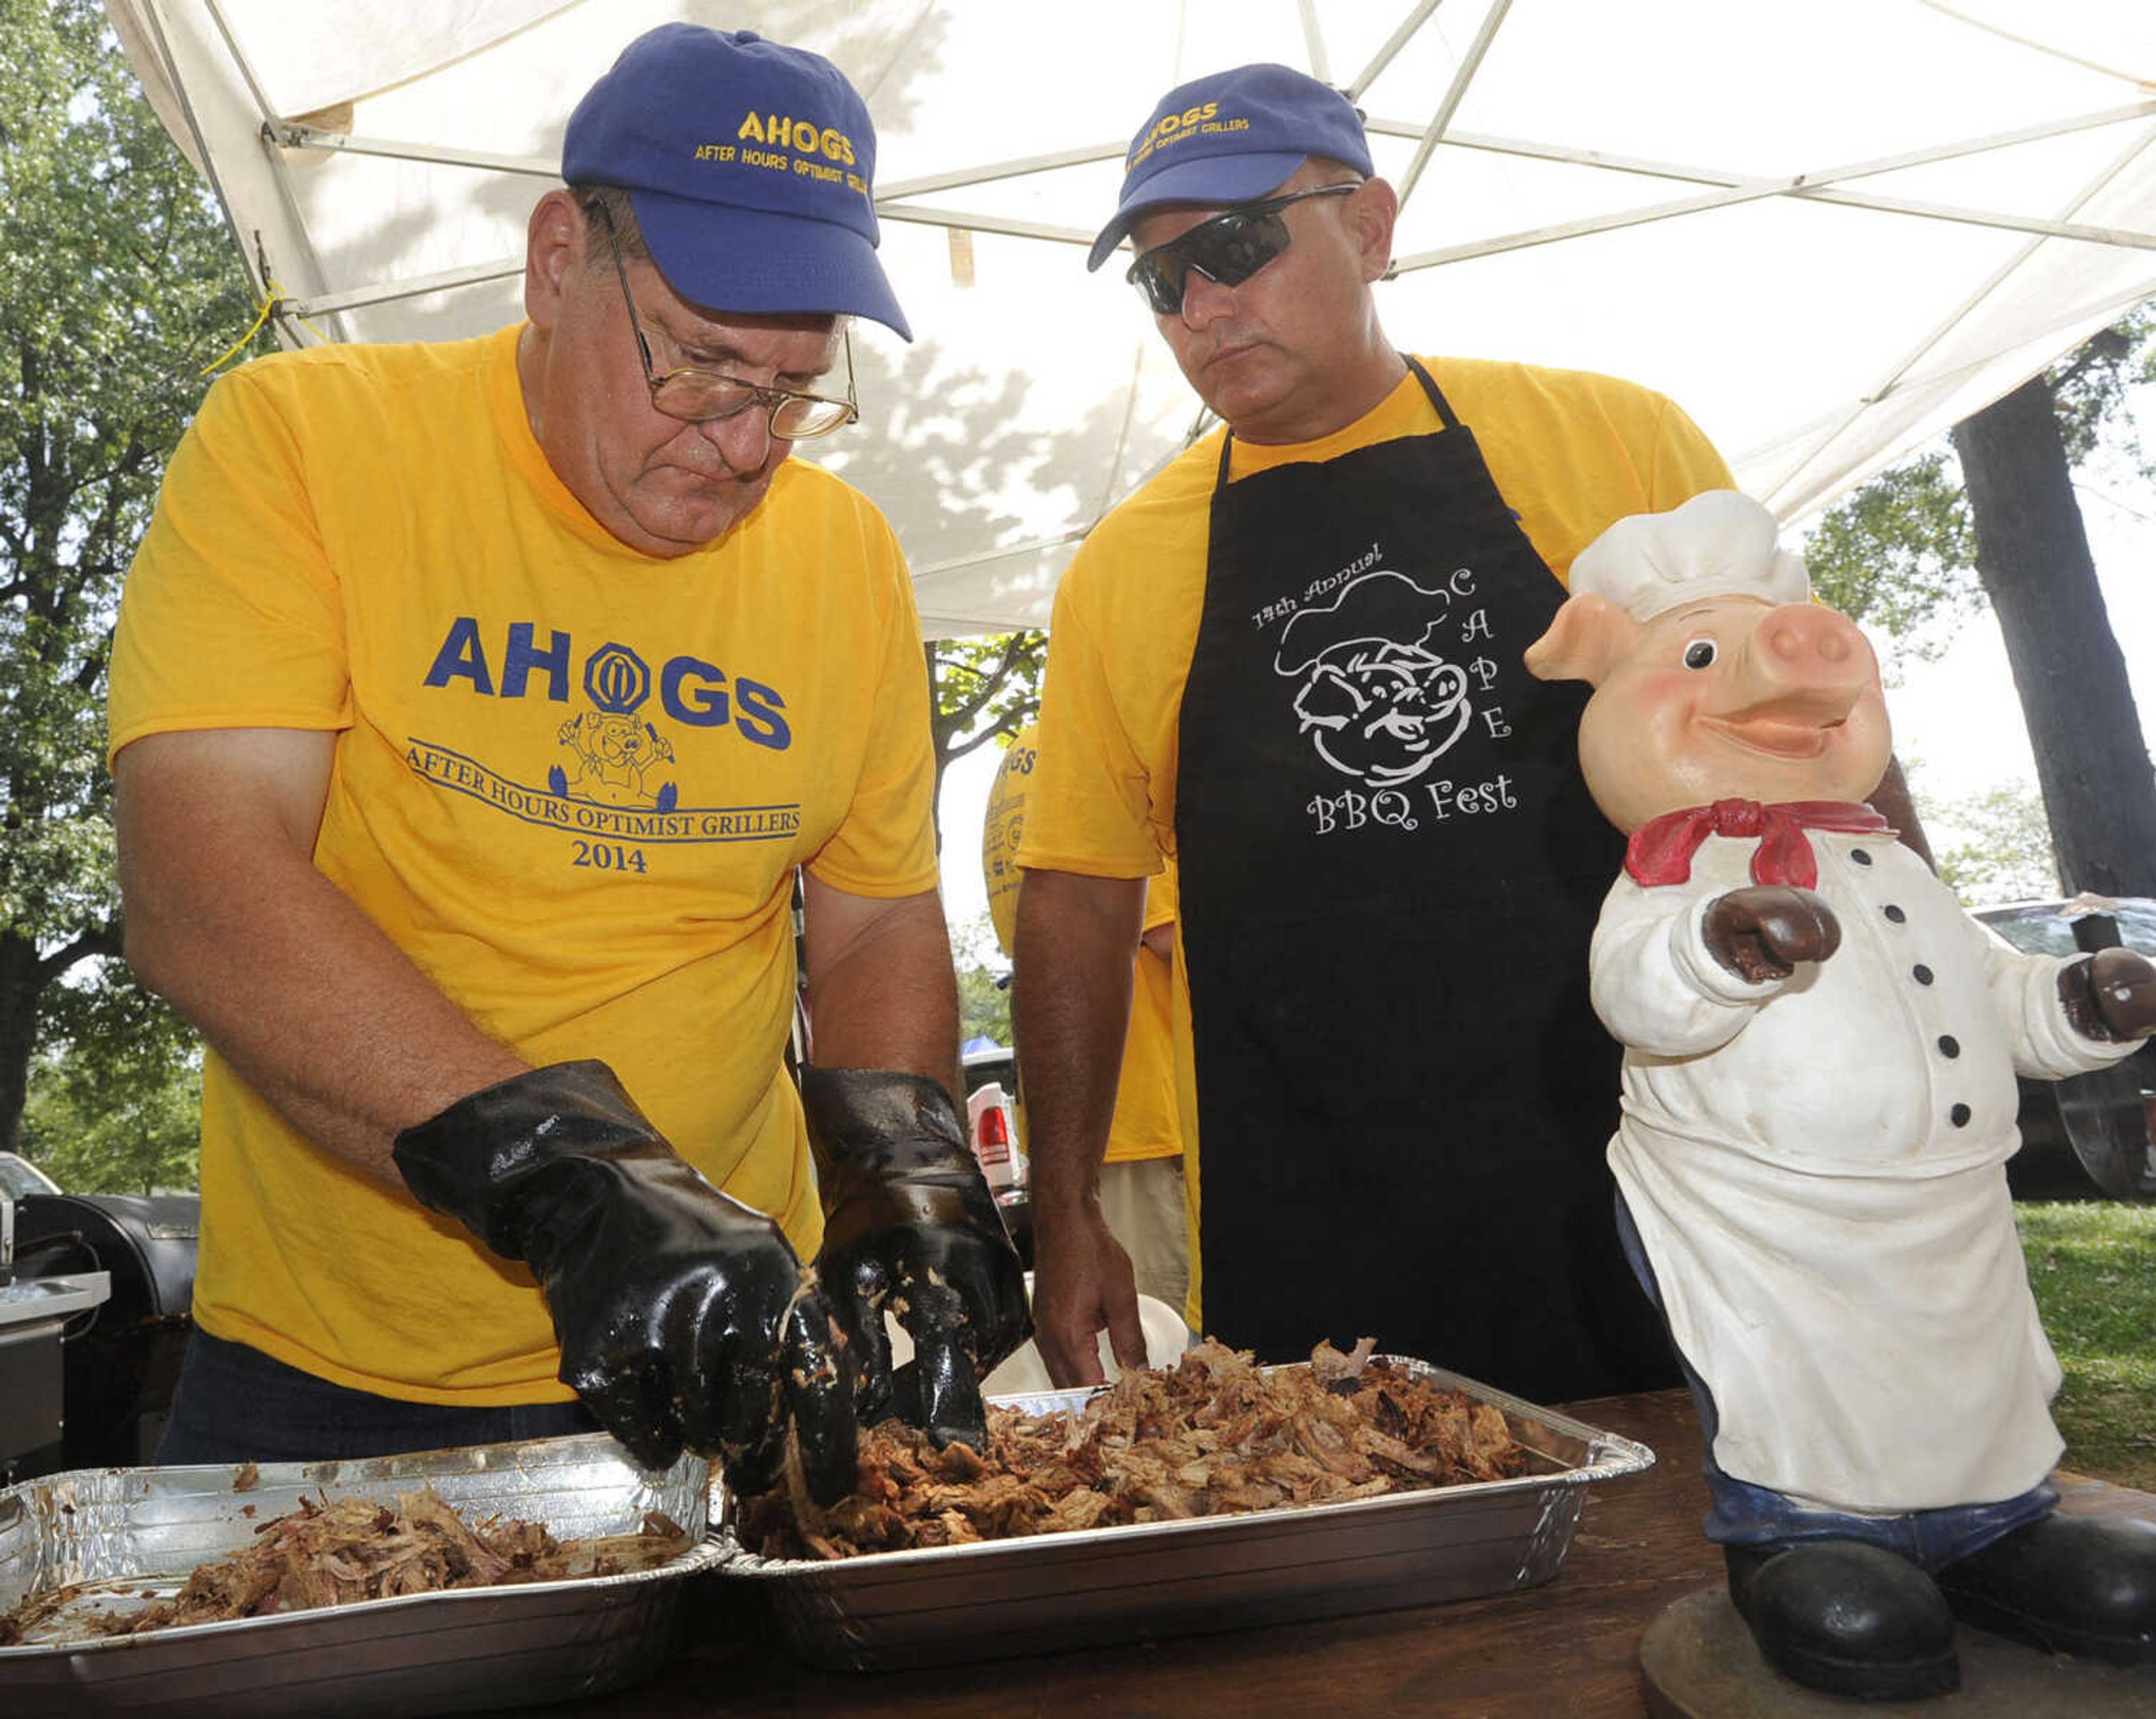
(1071, 1010)
(360, 1047)
(881, 991)
(228, 920)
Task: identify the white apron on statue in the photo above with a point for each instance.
(1817, 1172)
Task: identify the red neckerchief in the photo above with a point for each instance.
(1660, 850)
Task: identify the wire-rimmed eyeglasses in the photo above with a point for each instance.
(698, 396)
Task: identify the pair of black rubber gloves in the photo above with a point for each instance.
(684, 1317)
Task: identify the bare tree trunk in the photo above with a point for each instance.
(2033, 556)
(21, 983)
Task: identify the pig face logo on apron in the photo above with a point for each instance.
(1377, 703)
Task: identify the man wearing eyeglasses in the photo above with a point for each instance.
(1292, 662)
(474, 707)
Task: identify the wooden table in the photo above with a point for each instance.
(1567, 1648)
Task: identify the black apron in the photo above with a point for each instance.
(1390, 872)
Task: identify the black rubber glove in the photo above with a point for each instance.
(684, 1316)
(909, 1224)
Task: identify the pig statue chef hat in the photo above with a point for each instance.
(1718, 544)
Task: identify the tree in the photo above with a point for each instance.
(116, 1108)
(1910, 551)
(1899, 556)
(984, 1009)
(2006, 854)
(117, 285)
(981, 688)
(2032, 553)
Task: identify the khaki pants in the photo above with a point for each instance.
(1142, 1201)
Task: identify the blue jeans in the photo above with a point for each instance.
(233, 1403)
(1746, 1515)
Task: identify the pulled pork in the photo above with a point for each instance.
(331, 1554)
(1211, 1436)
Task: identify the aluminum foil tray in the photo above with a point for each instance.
(138, 1533)
(1147, 1581)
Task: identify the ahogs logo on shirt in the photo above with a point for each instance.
(619, 756)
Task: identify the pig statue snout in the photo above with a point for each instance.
(1803, 664)
(1800, 634)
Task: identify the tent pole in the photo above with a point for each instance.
(959, 564)
(1894, 376)
(240, 63)
(287, 322)
(1313, 42)
(1460, 79)
(870, 83)
(153, 14)
(1385, 55)
(1650, 169)
(290, 136)
(335, 303)
(984, 223)
(285, 134)
(1818, 187)
(2099, 316)
(2119, 236)
(2127, 237)
(999, 170)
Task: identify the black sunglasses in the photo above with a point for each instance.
(1230, 249)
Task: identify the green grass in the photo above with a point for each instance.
(2092, 1265)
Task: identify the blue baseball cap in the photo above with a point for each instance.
(1231, 137)
(751, 166)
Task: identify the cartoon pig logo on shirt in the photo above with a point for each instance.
(1376, 702)
(613, 753)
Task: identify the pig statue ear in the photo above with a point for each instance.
(1589, 637)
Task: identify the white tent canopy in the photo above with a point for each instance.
(1829, 232)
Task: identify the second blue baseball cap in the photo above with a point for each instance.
(751, 166)
(1229, 137)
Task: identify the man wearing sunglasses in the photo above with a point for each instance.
(1292, 663)
(475, 707)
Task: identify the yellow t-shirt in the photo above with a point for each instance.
(1571, 452)
(1003, 827)
(1144, 1124)
(572, 783)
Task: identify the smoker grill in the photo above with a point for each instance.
(120, 1360)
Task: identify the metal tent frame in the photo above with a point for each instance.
(313, 309)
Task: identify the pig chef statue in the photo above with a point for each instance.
(1819, 1105)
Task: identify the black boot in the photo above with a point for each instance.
(1845, 1618)
(2072, 1584)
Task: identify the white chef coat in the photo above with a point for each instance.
(1817, 1167)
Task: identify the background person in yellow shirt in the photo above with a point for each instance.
(474, 708)
(1141, 1185)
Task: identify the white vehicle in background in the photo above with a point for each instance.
(992, 1128)
(19, 1177)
